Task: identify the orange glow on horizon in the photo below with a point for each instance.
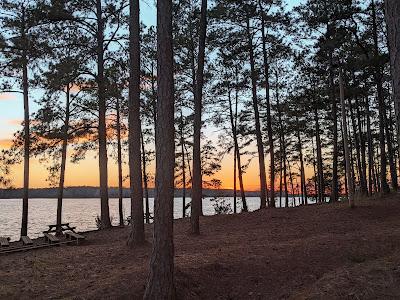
(86, 173)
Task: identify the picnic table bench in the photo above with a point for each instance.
(26, 241)
(4, 242)
(73, 236)
(51, 238)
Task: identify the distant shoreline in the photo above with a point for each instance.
(94, 192)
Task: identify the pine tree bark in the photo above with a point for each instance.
(260, 145)
(160, 283)
(63, 161)
(197, 189)
(137, 236)
(350, 182)
(392, 15)
(25, 91)
(103, 159)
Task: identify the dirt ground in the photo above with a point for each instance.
(315, 252)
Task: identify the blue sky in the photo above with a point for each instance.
(11, 105)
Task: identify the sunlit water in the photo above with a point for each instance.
(82, 213)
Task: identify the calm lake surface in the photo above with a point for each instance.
(82, 213)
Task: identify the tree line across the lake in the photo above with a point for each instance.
(314, 88)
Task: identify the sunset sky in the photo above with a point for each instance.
(86, 172)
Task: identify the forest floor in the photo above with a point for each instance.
(315, 252)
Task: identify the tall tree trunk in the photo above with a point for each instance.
(63, 161)
(234, 180)
(302, 171)
(283, 150)
(183, 169)
(381, 103)
(137, 236)
(350, 182)
(25, 199)
(321, 184)
(335, 188)
(119, 154)
(103, 159)
(160, 283)
(197, 190)
(370, 146)
(315, 173)
(260, 145)
(291, 185)
(390, 152)
(392, 14)
(268, 104)
(285, 175)
(364, 188)
(237, 152)
(357, 144)
(145, 181)
(280, 174)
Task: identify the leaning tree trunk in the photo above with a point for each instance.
(197, 178)
(268, 104)
(25, 87)
(392, 14)
(137, 236)
(63, 162)
(160, 283)
(103, 159)
(350, 182)
(260, 145)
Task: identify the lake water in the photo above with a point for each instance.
(82, 213)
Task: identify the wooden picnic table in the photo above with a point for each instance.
(64, 227)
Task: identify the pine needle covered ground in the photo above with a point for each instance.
(316, 252)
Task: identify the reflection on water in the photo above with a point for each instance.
(82, 213)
